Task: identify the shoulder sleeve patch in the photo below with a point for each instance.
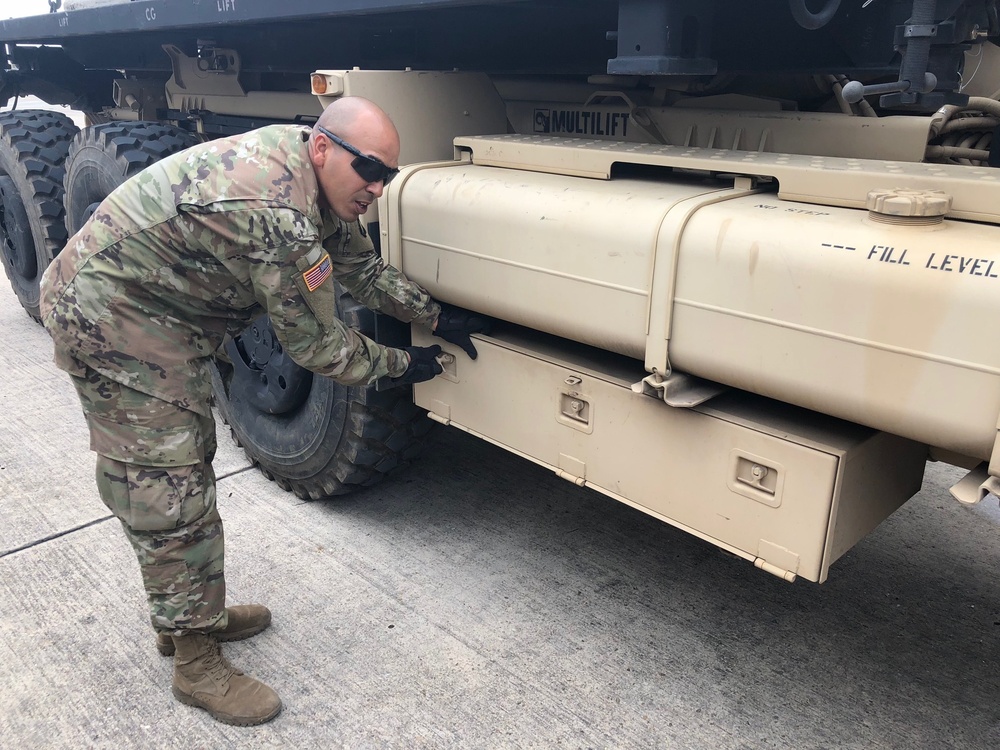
(318, 273)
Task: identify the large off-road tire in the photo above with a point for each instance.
(310, 434)
(102, 157)
(33, 149)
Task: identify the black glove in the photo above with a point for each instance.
(455, 324)
(423, 365)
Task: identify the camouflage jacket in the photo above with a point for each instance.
(200, 243)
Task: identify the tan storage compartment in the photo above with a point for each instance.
(788, 489)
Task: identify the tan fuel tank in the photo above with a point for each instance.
(571, 257)
(882, 324)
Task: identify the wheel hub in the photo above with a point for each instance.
(15, 232)
(90, 211)
(263, 373)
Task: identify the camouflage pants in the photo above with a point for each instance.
(154, 471)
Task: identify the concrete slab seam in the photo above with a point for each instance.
(50, 537)
(234, 473)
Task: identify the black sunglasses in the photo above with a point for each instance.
(368, 168)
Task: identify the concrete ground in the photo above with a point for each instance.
(477, 601)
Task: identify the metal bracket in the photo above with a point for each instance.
(215, 71)
(919, 30)
(679, 389)
(975, 486)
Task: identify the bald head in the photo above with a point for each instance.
(351, 116)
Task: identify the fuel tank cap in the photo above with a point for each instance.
(904, 206)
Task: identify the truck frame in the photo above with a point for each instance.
(740, 257)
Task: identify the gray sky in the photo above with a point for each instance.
(16, 8)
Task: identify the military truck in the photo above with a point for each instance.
(740, 258)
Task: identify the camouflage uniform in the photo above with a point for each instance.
(184, 253)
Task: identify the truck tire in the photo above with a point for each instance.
(325, 438)
(33, 149)
(102, 157)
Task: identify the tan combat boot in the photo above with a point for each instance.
(244, 621)
(204, 678)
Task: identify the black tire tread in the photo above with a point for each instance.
(365, 457)
(41, 140)
(134, 145)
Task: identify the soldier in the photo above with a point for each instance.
(143, 296)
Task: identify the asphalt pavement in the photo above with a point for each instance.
(475, 600)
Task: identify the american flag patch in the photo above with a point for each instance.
(318, 274)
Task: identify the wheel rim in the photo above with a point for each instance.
(264, 376)
(15, 232)
(89, 211)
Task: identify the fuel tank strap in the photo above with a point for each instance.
(664, 279)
